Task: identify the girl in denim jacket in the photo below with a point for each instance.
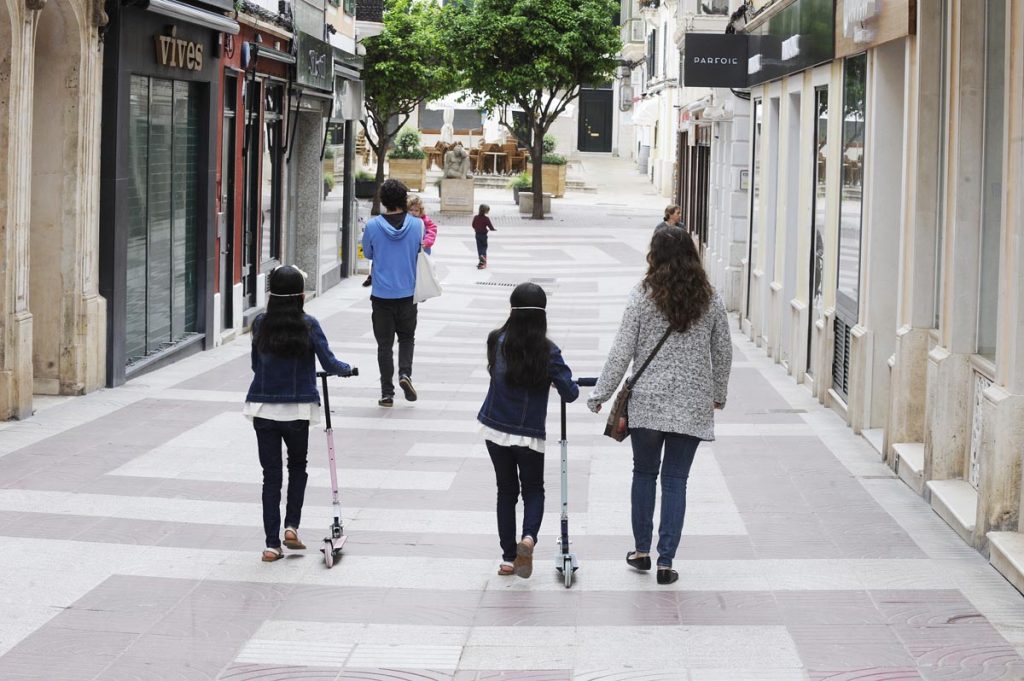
(283, 401)
(523, 365)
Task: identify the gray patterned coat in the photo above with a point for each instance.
(678, 390)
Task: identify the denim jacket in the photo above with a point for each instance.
(523, 411)
(291, 379)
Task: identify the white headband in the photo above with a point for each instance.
(524, 307)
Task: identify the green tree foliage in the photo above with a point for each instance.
(405, 65)
(536, 55)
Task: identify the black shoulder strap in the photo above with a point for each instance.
(635, 377)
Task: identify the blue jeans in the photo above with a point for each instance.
(675, 469)
(517, 468)
(269, 436)
(481, 245)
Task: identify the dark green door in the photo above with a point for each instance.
(595, 120)
(160, 277)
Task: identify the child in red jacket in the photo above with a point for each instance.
(481, 224)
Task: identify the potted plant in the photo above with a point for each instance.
(328, 183)
(553, 168)
(406, 161)
(521, 182)
(366, 185)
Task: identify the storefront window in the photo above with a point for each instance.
(943, 133)
(272, 164)
(851, 196)
(755, 194)
(163, 216)
(820, 209)
(992, 186)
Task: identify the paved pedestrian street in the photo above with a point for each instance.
(130, 525)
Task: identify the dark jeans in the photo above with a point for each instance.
(675, 469)
(515, 468)
(269, 435)
(481, 245)
(393, 317)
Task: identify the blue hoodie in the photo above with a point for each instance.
(393, 252)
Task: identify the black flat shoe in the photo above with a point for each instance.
(667, 575)
(638, 563)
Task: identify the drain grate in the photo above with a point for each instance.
(496, 283)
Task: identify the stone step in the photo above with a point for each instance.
(1006, 554)
(910, 464)
(956, 502)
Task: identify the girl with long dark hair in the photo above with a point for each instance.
(283, 401)
(675, 315)
(523, 364)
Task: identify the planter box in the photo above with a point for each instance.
(412, 172)
(365, 189)
(526, 203)
(552, 177)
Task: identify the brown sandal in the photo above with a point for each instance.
(506, 569)
(270, 555)
(291, 539)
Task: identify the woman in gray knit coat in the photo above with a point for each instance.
(673, 402)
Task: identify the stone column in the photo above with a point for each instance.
(950, 374)
(308, 192)
(16, 159)
(919, 233)
(1002, 444)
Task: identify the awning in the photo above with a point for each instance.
(193, 15)
(263, 52)
(647, 111)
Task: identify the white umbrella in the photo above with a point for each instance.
(448, 130)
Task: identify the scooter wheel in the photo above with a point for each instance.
(567, 573)
(328, 551)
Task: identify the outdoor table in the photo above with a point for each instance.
(494, 161)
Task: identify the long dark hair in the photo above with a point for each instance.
(283, 329)
(675, 278)
(526, 347)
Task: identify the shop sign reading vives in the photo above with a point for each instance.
(715, 60)
(177, 53)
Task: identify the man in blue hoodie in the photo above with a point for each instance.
(392, 242)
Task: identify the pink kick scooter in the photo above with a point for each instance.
(332, 545)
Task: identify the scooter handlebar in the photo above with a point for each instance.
(323, 374)
(586, 381)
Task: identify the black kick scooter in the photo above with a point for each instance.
(565, 561)
(332, 545)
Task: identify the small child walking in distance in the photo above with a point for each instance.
(415, 208)
(283, 401)
(523, 365)
(481, 224)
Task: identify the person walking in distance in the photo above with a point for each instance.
(675, 318)
(392, 240)
(481, 225)
(283, 402)
(523, 365)
(429, 228)
(673, 217)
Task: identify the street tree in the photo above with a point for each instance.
(534, 55)
(405, 64)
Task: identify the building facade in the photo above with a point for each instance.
(884, 254)
(52, 315)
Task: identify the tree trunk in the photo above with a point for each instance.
(383, 143)
(537, 158)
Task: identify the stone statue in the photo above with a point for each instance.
(456, 163)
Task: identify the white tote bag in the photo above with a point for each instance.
(427, 284)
